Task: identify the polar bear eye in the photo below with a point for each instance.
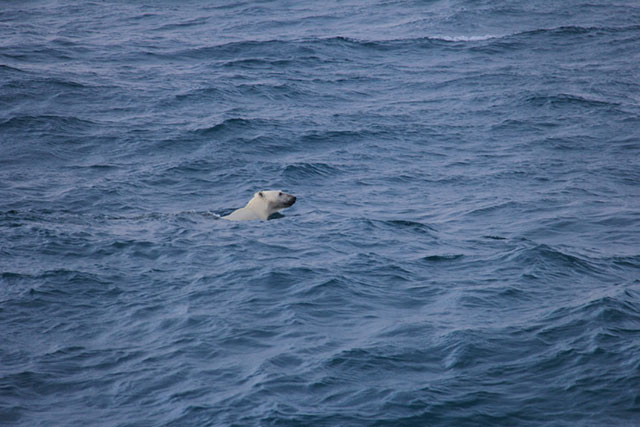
(261, 195)
(280, 193)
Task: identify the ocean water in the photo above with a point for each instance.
(465, 248)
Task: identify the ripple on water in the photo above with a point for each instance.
(464, 249)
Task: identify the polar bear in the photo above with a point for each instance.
(262, 206)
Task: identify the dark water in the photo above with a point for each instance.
(465, 249)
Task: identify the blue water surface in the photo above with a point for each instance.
(465, 248)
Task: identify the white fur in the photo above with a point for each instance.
(262, 206)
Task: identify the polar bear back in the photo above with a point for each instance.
(242, 214)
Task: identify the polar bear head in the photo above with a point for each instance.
(262, 206)
(265, 203)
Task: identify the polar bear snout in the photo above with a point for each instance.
(284, 200)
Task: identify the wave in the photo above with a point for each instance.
(47, 121)
(34, 54)
(547, 260)
(569, 30)
(456, 39)
(280, 52)
(271, 63)
(187, 216)
(69, 217)
(66, 84)
(567, 99)
(77, 283)
(615, 310)
(48, 88)
(336, 136)
(413, 225)
(182, 25)
(308, 170)
(4, 67)
(493, 208)
(396, 226)
(234, 125)
(302, 49)
(443, 258)
(219, 51)
(626, 261)
(205, 94)
(236, 46)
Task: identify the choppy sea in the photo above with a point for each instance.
(465, 248)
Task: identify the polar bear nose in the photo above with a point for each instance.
(292, 200)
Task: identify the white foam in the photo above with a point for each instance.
(466, 38)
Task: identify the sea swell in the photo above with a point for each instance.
(463, 249)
